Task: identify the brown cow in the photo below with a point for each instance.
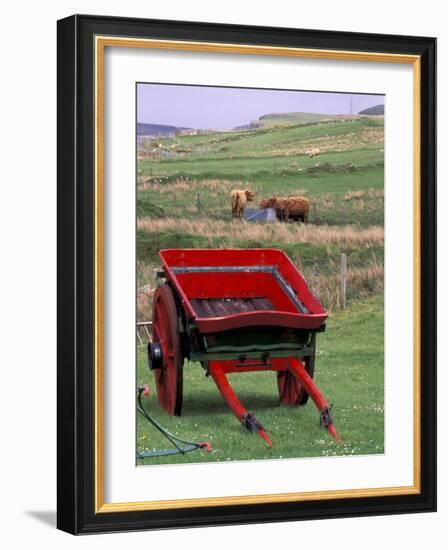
(238, 199)
(296, 208)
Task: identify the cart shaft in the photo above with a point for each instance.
(219, 369)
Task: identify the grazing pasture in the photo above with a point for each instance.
(183, 200)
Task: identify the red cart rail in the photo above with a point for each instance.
(236, 311)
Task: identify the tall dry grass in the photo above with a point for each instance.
(362, 281)
(146, 284)
(369, 194)
(277, 232)
(181, 185)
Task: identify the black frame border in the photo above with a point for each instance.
(76, 262)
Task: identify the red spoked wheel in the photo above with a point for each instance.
(290, 390)
(165, 332)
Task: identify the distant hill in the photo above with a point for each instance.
(376, 110)
(147, 129)
(249, 126)
(296, 118)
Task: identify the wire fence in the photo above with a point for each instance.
(143, 332)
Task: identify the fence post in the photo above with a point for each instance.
(343, 280)
(316, 281)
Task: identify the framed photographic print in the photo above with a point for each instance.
(246, 274)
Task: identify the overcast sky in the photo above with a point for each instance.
(213, 107)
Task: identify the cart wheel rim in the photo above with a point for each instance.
(290, 390)
(165, 331)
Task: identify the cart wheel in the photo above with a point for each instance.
(290, 390)
(165, 332)
(309, 367)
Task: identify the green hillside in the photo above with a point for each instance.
(276, 119)
(183, 196)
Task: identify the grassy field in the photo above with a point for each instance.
(183, 186)
(349, 370)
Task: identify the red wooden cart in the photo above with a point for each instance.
(236, 311)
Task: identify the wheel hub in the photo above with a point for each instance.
(155, 356)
